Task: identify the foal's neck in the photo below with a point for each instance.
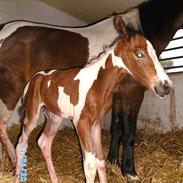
(111, 74)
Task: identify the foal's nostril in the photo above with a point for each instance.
(166, 85)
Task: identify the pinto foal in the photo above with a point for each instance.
(84, 95)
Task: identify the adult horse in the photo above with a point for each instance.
(159, 21)
(26, 48)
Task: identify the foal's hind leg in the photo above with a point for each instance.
(29, 123)
(52, 124)
(83, 129)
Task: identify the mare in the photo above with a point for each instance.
(84, 94)
(26, 48)
(159, 21)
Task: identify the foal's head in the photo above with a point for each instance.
(140, 59)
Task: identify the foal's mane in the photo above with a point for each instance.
(106, 48)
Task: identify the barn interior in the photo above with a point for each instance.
(159, 144)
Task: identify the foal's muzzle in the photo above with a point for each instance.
(163, 88)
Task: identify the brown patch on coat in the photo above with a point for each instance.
(31, 49)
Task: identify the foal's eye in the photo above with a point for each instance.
(139, 54)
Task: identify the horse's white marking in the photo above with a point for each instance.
(87, 76)
(162, 76)
(65, 106)
(132, 178)
(49, 83)
(99, 34)
(90, 166)
(41, 72)
(45, 73)
(117, 61)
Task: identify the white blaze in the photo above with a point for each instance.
(162, 76)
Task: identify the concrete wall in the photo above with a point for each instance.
(163, 114)
(160, 114)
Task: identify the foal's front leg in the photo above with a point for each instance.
(100, 162)
(83, 129)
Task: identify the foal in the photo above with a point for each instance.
(84, 95)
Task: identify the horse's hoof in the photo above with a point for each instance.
(113, 160)
(132, 179)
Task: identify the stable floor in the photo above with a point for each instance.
(159, 158)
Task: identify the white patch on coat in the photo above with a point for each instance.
(65, 106)
(86, 77)
(49, 83)
(162, 76)
(45, 73)
(117, 61)
(100, 34)
(90, 166)
(41, 72)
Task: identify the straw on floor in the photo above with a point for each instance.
(159, 158)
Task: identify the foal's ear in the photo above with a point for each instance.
(120, 26)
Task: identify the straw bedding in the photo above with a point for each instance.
(159, 158)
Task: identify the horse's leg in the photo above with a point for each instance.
(123, 125)
(29, 123)
(131, 103)
(5, 141)
(116, 132)
(51, 127)
(100, 162)
(28, 126)
(83, 129)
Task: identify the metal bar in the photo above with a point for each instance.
(176, 38)
(170, 58)
(174, 48)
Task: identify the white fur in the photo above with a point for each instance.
(86, 78)
(117, 61)
(162, 76)
(90, 167)
(98, 35)
(49, 83)
(65, 106)
(41, 72)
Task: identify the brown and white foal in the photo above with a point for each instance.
(84, 95)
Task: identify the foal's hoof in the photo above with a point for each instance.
(132, 179)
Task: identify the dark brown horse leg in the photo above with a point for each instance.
(116, 129)
(129, 121)
(6, 143)
(131, 103)
(123, 126)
